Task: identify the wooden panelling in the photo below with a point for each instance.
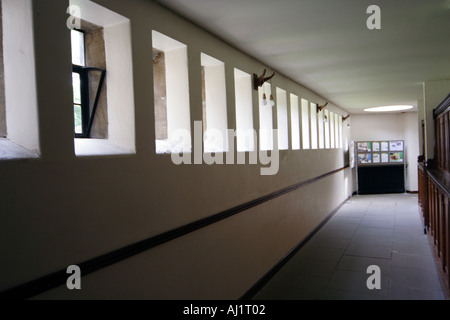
(423, 194)
(434, 188)
(434, 201)
(442, 135)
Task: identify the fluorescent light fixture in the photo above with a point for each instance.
(389, 108)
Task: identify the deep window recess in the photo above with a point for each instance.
(305, 124)
(295, 123)
(244, 111)
(171, 95)
(332, 130)
(313, 126)
(282, 120)
(88, 83)
(19, 132)
(265, 117)
(214, 105)
(2, 83)
(339, 131)
(107, 46)
(321, 128)
(326, 123)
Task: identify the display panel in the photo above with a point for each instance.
(364, 147)
(364, 158)
(376, 146)
(379, 152)
(396, 146)
(376, 158)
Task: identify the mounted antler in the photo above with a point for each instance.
(345, 118)
(320, 108)
(259, 81)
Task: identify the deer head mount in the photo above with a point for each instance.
(345, 118)
(259, 81)
(320, 108)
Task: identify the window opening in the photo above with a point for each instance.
(215, 121)
(282, 120)
(244, 111)
(265, 117)
(314, 136)
(295, 123)
(171, 95)
(81, 82)
(305, 124)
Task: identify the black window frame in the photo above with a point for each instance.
(87, 117)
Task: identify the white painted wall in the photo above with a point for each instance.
(130, 198)
(411, 137)
(398, 126)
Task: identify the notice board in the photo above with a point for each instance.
(380, 166)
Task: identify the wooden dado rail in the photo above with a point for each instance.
(434, 200)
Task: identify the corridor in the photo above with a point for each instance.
(381, 230)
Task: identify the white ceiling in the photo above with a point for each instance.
(326, 46)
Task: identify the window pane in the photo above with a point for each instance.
(77, 48)
(76, 84)
(77, 117)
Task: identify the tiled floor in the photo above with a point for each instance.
(381, 230)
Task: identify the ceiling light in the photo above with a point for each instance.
(389, 108)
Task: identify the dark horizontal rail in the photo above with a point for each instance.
(59, 278)
(441, 179)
